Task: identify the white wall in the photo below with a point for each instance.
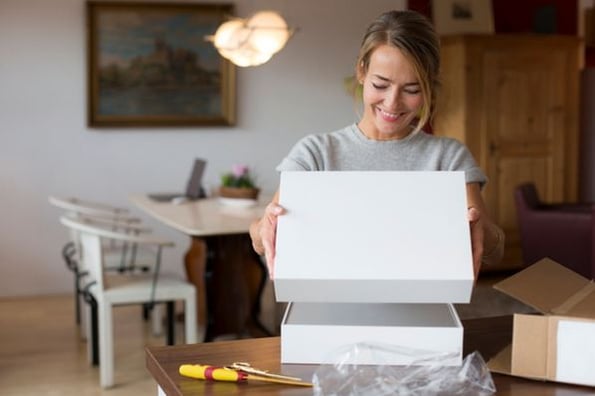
(46, 147)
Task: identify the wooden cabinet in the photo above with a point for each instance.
(514, 101)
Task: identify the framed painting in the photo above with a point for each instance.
(150, 65)
(463, 16)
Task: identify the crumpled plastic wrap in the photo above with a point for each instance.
(426, 374)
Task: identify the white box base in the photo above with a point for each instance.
(311, 333)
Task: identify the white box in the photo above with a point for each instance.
(373, 237)
(313, 333)
(372, 256)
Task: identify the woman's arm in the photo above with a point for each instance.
(487, 239)
(263, 233)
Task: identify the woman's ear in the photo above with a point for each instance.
(360, 74)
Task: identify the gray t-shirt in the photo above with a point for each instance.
(349, 149)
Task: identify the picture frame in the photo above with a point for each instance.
(149, 64)
(463, 16)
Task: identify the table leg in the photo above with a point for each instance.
(257, 279)
(230, 279)
(195, 262)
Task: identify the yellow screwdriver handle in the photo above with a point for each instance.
(211, 373)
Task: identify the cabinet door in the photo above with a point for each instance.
(525, 112)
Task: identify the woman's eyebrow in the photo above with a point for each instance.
(378, 76)
(411, 84)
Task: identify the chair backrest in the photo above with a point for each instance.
(102, 214)
(79, 206)
(92, 249)
(555, 231)
(526, 196)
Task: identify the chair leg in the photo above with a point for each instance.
(94, 337)
(68, 253)
(190, 317)
(157, 320)
(146, 311)
(171, 318)
(77, 301)
(86, 328)
(106, 344)
(85, 317)
(89, 327)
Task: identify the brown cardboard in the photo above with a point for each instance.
(560, 295)
(529, 346)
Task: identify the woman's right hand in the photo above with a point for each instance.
(264, 231)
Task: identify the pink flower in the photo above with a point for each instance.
(239, 170)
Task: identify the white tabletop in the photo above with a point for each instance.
(203, 217)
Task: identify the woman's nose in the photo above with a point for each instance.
(392, 99)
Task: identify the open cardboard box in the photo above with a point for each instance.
(559, 344)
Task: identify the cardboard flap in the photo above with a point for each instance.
(501, 362)
(545, 285)
(581, 304)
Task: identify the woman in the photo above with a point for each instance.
(398, 67)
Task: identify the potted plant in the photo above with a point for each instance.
(238, 183)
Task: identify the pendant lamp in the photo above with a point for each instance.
(252, 41)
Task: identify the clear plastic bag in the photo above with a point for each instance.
(427, 373)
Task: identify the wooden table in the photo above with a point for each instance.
(486, 335)
(228, 275)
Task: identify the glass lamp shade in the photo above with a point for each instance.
(231, 34)
(251, 42)
(247, 56)
(269, 32)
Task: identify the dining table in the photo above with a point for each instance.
(484, 335)
(228, 274)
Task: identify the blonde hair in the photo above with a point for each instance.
(416, 38)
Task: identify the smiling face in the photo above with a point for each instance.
(392, 95)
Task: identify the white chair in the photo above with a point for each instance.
(121, 257)
(116, 261)
(127, 288)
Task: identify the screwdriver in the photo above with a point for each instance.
(213, 373)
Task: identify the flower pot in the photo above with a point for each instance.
(238, 192)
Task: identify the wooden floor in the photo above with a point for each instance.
(41, 352)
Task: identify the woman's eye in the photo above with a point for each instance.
(412, 91)
(379, 86)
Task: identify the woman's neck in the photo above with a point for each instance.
(371, 133)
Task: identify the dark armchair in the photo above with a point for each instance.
(563, 232)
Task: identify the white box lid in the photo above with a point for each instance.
(374, 236)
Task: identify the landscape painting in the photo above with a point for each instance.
(149, 64)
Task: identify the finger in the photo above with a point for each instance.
(269, 254)
(270, 265)
(268, 235)
(274, 209)
(473, 215)
(477, 245)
